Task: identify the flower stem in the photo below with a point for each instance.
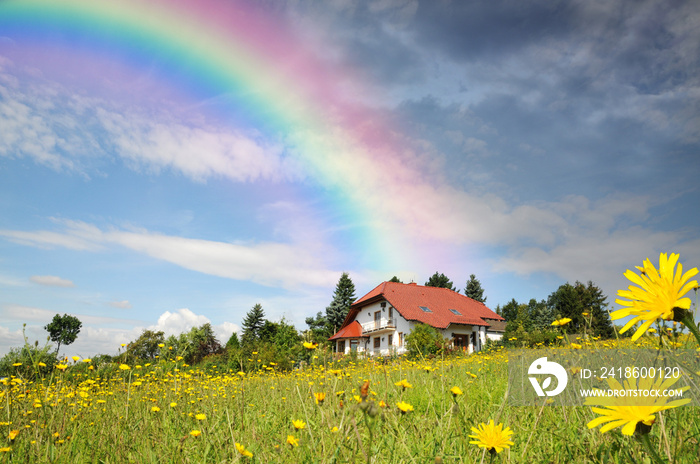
(650, 449)
(689, 322)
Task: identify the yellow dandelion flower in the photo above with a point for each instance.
(173, 404)
(319, 397)
(576, 346)
(161, 345)
(492, 437)
(41, 364)
(403, 384)
(456, 391)
(310, 345)
(6, 449)
(155, 409)
(13, 434)
(404, 407)
(62, 367)
(299, 424)
(244, 452)
(75, 358)
(87, 360)
(200, 416)
(626, 411)
(292, 441)
(562, 321)
(17, 364)
(124, 367)
(334, 429)
(196, 433)
(659, 294)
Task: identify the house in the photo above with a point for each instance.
(378, 322)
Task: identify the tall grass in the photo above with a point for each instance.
(167, 412)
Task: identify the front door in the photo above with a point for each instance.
(377, 320)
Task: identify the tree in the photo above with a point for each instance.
(440, 280)
(146, 346)
(252, 324)
(63, 329)
(319, 328)
(233, 343)
(510, 310)
(395, 279)
(573, 300)
(474, 290)
(343, 297)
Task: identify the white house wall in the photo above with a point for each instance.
(366, 319)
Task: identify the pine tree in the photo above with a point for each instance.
(474, 290)
(343, 297)
(253, 324)
(440, 280)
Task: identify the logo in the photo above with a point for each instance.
(550, 368)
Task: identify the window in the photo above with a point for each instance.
(454, 311)
(341, 346)
(353, 345)
(425, 308)
(377, 342)
(391, 339)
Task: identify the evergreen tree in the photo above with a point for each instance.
(474, 290)
(233, 343)
(440, 280)
(253, 324)
(395, 279)
(343, 297)
(319, 328)
(573, 300)
(541, 314)
(510, 310)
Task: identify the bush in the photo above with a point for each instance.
(424, 340)
(28, 362)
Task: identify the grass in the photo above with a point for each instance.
(153, 413)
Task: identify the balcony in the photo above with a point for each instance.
(381, 325)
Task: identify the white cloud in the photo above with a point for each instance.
(266, 263)
(52, 281)
(179, 321)
(124, 304)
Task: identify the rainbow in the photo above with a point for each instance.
(271, 79)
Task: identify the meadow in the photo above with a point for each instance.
(342, 410)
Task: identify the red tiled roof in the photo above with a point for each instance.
(353, 330)
(407, 299)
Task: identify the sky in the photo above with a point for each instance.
(168, 164)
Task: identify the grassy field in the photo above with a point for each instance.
(169, 412)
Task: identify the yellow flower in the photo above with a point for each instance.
(6, 449)
(657, 295)
(320, 397)
(492, 437)
(13, 434)
(299, 424)
(173, 404)
(244, 452)
(75, 358)
(200, 416)
(404, 407)
(562, 321)
(155, 409)
(309, 345)
(62, 367)
(124, 367)
(626, 410)
(161, 345)
(87, 360)
(196, 433)
(41, 364)
(17, 364)
(404, 384)
(456, 391)
(292, 441)
(576, 346)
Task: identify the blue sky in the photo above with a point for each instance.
(554, 142)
